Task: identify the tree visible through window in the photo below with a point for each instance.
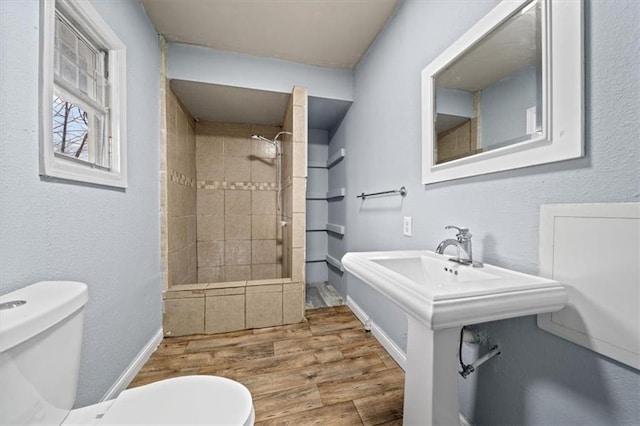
(70, 129)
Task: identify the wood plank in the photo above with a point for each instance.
(248, 339)
(351, 350)
(283, 403)
(317, 342)
(272, 364)
(144, 378)
(226, 355)
(336, 325)
(261, 384)
(344, 414)
(382, 409)
(171, 347)
(177, 362)
(350, 388)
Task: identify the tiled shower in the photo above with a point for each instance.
(233, 259)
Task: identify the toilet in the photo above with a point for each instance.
(40, 341)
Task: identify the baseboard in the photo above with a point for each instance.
(127, 376)
(394, 350)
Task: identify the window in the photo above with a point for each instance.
(83, 133)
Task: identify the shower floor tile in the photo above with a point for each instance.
(322, 295)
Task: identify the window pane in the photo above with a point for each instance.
(70, 129)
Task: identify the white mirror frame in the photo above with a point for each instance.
(562, 136)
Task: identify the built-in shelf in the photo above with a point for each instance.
(335, 158)
(336, 229)
(336, 193)
(317, 165)
(334, 262)
(316, 257)
(330, 227)
(316, 195)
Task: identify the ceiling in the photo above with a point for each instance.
(327, 33)
(509, 48)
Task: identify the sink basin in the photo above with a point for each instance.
(439, 297)
(440, 293)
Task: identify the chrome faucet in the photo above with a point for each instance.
(462, 244)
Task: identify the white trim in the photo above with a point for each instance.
(390, 346)
(90, 22)
(563, 118)
(136, 365)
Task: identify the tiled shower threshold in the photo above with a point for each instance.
(322, 295)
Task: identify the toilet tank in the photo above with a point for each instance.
(40, 341)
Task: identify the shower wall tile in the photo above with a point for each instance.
(227, 158)
(263, 251)
(237, 202)
(237, 227)
(237, 140)
(183, 316)
(224, 313)
(264, 309)
(299, 124)
(263, 227)
(292, 306)
(237, 253)
(210, 228)
(261, 272)
(299, 159)
(210, 202)
(298, 232)
(210, 274)
(237, 169)
(180, 202)
(263, 202)
(297, 264)
(209, 157)
(211, 253)
(299, 195)
(237, 272)
(263, 170)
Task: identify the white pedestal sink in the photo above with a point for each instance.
(439, 298)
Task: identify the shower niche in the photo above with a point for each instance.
(233, 210)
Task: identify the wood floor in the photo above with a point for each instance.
(328, 370)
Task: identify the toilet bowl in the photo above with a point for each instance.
(40, 340)
(193, 400)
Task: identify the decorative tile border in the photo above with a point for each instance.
(181, 179)
(242, 186)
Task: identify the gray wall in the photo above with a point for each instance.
(54, 230)
(539, 379)
(503, 107)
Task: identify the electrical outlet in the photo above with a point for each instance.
(406, 226)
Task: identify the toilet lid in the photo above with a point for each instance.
(183, 400)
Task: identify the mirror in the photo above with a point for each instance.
(507, 94)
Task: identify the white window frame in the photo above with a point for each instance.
(90, 23)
